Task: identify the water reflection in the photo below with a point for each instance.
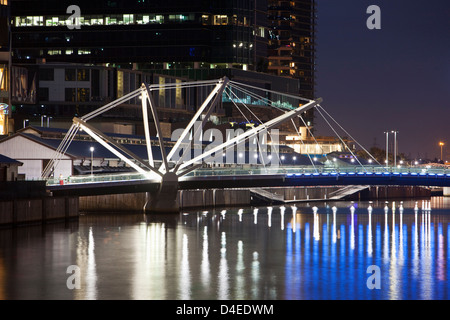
(293, 252)
(185, 279)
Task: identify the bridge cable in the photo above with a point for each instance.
(268, 103)
(195, 132)
(274, 105)
(63, 151)
(271, 91)
(257, 118)
(50, 166)
(282, 109)
(60, 151)
(256, 137)
(341, 140)
(319, 106)
(310, 132)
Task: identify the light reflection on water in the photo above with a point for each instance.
(289, 252)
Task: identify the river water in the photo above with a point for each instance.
(278, 253)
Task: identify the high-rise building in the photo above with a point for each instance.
(151, 34)
(291, 37)
(69, 60)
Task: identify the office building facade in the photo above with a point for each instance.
(69, 62)
(150, 34)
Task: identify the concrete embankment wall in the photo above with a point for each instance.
(392, 192)
(35, 211)
(208, 198)
(185, 199)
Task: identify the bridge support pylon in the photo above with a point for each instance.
(164, 200)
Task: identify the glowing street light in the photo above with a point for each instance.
(92, 160)
(441, 144)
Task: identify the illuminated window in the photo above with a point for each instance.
(97, 21)
(83, 94)
(178, 95)
(2, 123)
(38, 21)
(84, 22)
(54, 52)
(205, 19)
(70, 75)
(111, 20)
(220, 20)
(128, 18)
(82, 52)
(261, 32)
(119, 84)
(162, 93)
(83, 75)
(2, 78)
(158, 19)
(235, 20)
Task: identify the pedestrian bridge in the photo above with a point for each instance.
(252, 178)
(189, 166)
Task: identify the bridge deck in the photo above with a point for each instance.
(255, 181)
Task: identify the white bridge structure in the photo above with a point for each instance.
(173, 167)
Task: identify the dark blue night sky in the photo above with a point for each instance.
(396, 78)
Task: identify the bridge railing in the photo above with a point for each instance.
(310, 169)
(97, 178)
(243, 171)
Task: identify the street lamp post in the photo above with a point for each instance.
(42, 120)
(395, 147)
(387, 148)
(441, 144)
(92, 160)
